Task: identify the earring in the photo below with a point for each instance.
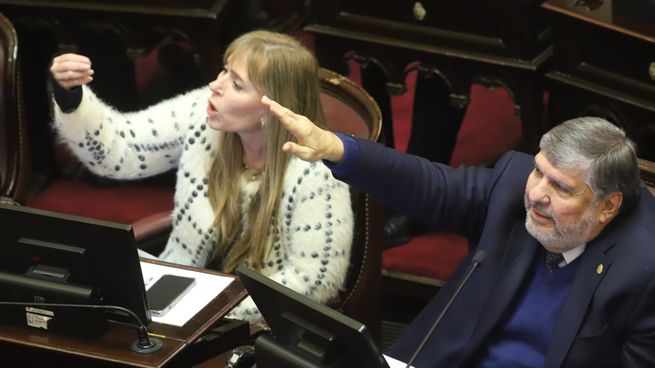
(262, 121)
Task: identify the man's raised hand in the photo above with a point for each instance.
(313, 143)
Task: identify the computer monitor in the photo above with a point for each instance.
(305, 332)
(49, 257)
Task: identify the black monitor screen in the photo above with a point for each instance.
(305, 332)
(50, 257)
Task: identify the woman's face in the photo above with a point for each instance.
(235, 104)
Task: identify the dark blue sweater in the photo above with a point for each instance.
(523, 336)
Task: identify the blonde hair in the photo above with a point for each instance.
(284, 70)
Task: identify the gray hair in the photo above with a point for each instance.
(599, 148)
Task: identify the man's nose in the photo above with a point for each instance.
(539, 193)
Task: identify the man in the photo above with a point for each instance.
(579, 199)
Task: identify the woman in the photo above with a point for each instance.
(238, 197)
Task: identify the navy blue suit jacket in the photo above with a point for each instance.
(608, 319)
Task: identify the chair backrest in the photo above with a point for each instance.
(350, 109)
(13, 129)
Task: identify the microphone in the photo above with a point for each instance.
(144, 343)
(478, 260)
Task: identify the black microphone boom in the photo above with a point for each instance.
(144, 343)
(478, 260)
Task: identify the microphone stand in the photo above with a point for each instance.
(478, 259)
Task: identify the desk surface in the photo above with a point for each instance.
(113, 346)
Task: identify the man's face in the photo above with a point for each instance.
(561, 213)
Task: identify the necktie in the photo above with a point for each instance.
(552, 260)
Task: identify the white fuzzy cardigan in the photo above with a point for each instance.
(313, 232)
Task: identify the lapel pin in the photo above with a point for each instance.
(599, 269)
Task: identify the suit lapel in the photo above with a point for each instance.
(515, 264)
(594, 264)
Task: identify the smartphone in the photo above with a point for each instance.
(166, 292)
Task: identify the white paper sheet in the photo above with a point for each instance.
(395, 363)
(207, 287)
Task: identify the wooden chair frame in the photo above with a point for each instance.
(14, 157)
(361, 296)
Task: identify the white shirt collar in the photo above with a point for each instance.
(571, 254)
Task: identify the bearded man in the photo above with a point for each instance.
(569, 276)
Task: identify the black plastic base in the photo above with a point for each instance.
(155, 345)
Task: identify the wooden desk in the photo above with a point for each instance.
(495, 42)
(604, 65)
(34, 347)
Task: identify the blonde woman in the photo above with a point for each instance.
(238, 198)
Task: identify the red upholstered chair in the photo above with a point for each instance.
(145, 206)
(14, 163)
(417, 269)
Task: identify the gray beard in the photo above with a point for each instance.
(561, 239)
